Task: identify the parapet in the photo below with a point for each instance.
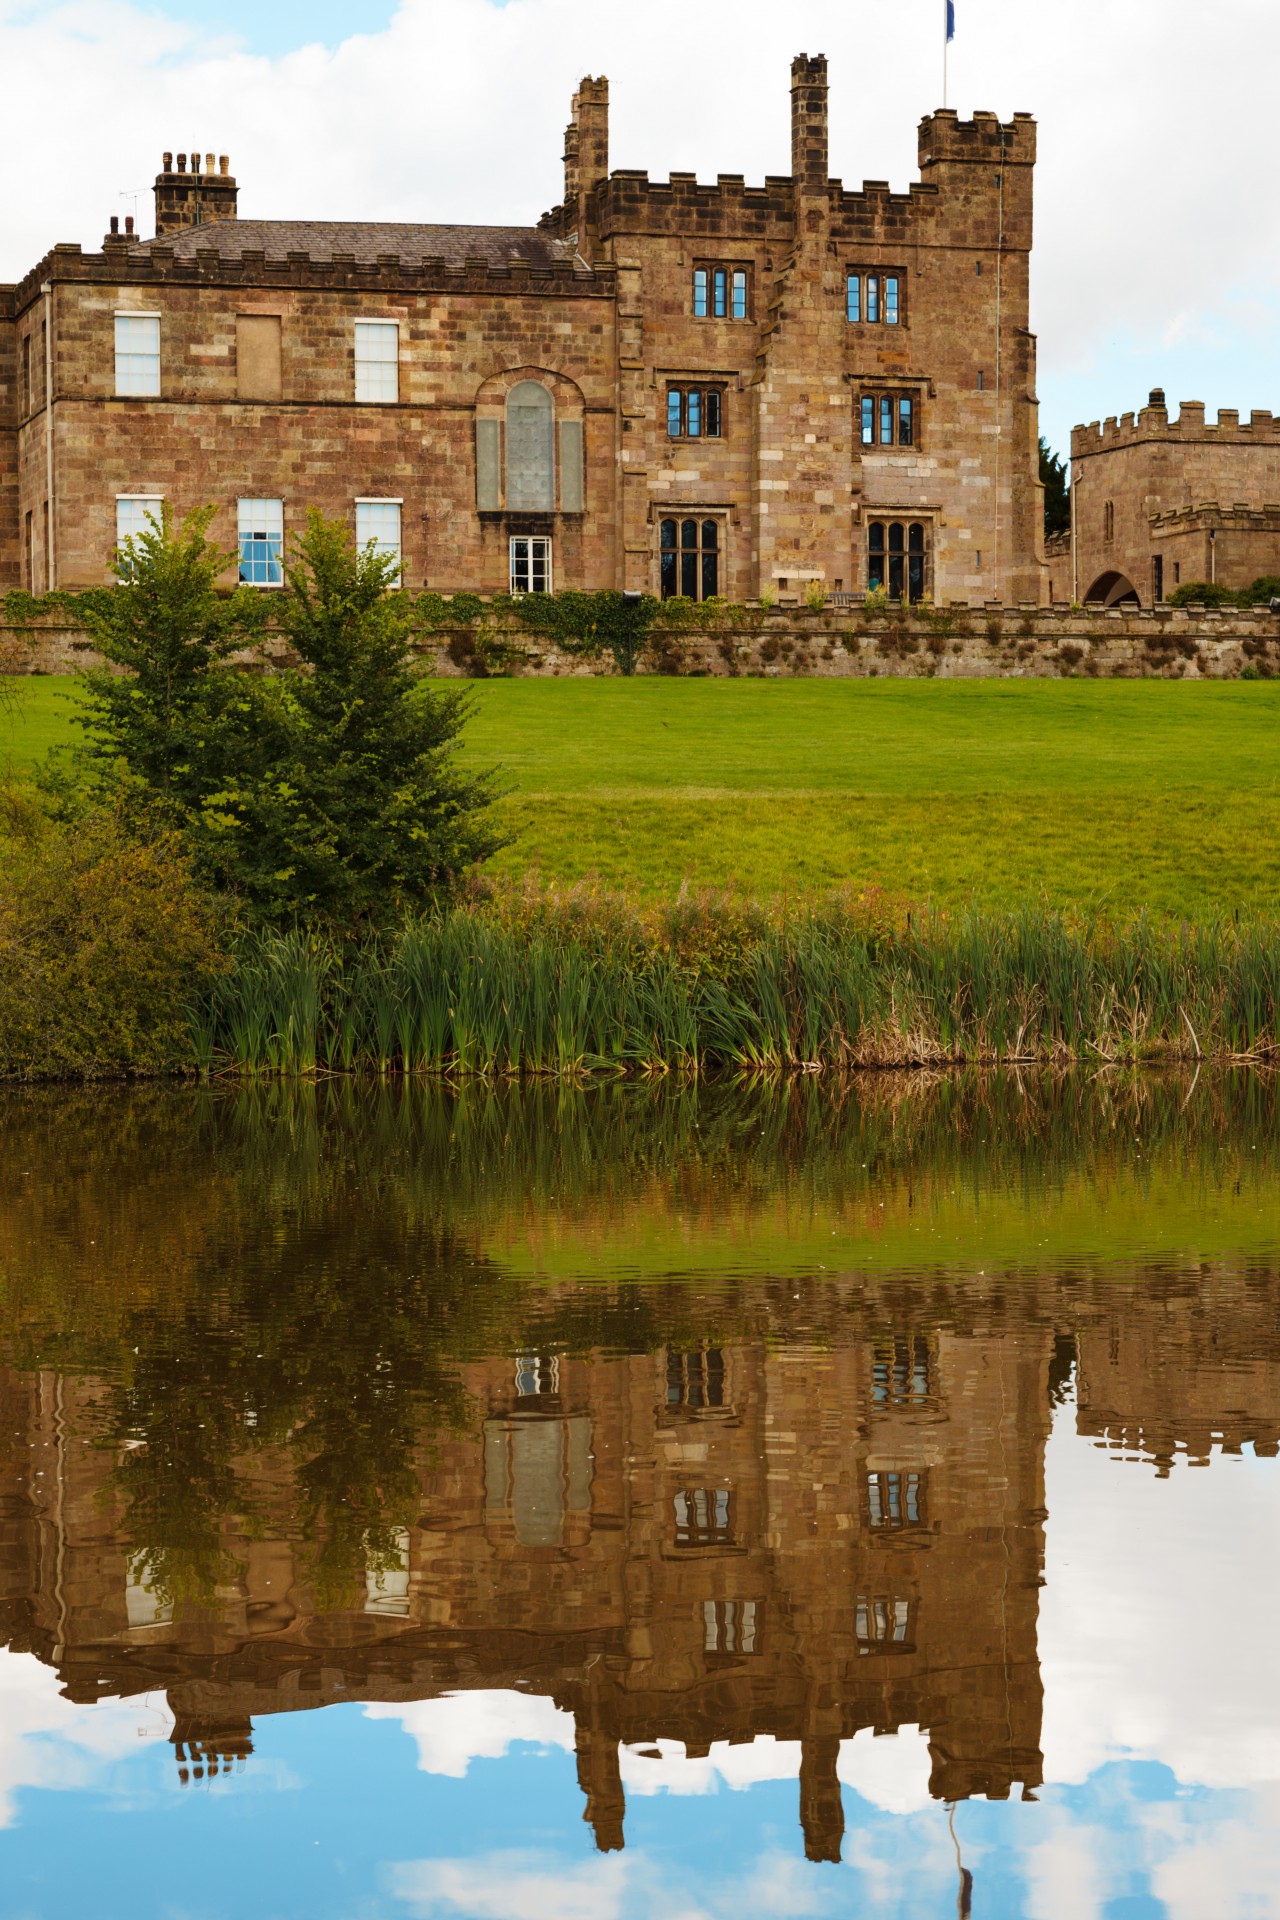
(157, 264)
(985, 140)
(1188, 428)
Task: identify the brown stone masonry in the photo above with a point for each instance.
(665, 385)
(1161, 503)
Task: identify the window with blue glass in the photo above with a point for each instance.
(874, 299)
(694, 413)
(888, 420)
(261, 531)
(720, 293)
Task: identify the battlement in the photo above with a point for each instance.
(1188, 428)
(1211, 515)
(986, 140)
(156, 264)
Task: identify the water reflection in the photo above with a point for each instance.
(654, 1426)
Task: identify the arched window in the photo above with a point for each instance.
(897, 559)
(689, 557)
(531, 449)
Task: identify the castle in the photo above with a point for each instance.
(1160, 503)
(664, 386)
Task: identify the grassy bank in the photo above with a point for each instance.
(1116, 795)
(540, 985)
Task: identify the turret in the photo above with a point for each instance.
(809, 160)
(586, 152)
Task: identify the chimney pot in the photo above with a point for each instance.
(182, 163)
(115, 223)
(208, 163)
(168, 163)
(224, 164)
(128, 223)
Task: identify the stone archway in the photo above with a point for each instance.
(1113, 590)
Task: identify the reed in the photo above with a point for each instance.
(572, 984)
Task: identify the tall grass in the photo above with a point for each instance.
(582, 984)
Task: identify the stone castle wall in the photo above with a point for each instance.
(1192, 643)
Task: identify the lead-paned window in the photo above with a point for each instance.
(704, 1517)
(530, 564)
(378, 526)
(888, 420)
(898, 564)
(137, 355)
(261, 533)
(895, 1500)
(720, 293)
(377, 361)
(531, 449)
(695, 1380)
(874, 299)
(689, 558)
(694, 413)
(882, 1623)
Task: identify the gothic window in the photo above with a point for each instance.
(689, 558)
(888, 420)
(900, 1372)
(137, 355)
(261, 533)
(720, 293)
(895, 1500)
(898, 559)
(1157, 577)
(531, 449)
(874, 299)
(694, 413)
(378, 526)
(537, 1376)
(704, 1517)
(378, 361)
(530, 563)
(731, 1626)
(695, 1380)
(882, 1624)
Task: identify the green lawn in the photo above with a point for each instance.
(1132, 793)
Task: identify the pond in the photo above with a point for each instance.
(715, 1503)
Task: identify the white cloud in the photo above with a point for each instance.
(514, 1886)
(1157, 1636)
(46, 1741)
(1156, 134)
(452, 1732)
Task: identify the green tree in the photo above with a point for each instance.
(169, 730)
(1055, 479)
(369, 814)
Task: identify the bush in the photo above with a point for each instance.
(106, 944)
(1203, 593)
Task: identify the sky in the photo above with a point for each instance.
(1158, 230)
(1161, 1758)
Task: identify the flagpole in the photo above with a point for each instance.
(946, 46)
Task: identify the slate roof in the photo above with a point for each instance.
(412, 241)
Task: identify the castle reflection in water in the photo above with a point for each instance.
(790, 1536)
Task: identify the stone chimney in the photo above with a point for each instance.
(809, 160)
(586, 154)
(192, 198)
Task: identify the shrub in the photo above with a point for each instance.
(1203, 593)
(106, 943)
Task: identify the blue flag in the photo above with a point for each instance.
(951, 19)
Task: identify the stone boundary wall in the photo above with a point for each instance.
(1187, 643)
